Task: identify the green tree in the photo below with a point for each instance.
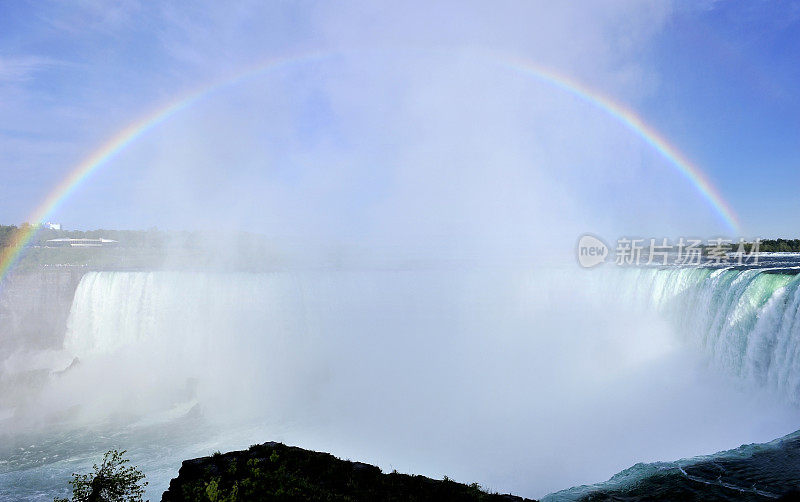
(111, 481)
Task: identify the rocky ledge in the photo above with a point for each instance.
(274, 471)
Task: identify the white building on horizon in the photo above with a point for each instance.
(80, 243)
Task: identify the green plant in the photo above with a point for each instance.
(111, 481)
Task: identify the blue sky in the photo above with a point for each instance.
(730, 99)
(405, 129)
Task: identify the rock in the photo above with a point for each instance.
(274, 471)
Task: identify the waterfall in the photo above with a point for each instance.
(490, 365)
(746, 321)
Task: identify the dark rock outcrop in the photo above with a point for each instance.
(274, 471)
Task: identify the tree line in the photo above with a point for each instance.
(150, 238)
(776, 246)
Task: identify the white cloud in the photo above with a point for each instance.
(22, 68)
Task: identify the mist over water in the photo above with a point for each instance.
(525, 380)
(408, 294)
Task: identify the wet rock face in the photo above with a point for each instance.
(34, 307)
(754, 472)
(274, 471)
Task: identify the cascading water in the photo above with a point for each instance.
(513, 368)
(746, 321)
(221, 337)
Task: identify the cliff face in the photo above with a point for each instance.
(274, 471)
(34, 307)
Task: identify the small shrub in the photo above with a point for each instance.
(111, 481)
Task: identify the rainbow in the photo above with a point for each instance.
(11, 254)
(633, 122)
